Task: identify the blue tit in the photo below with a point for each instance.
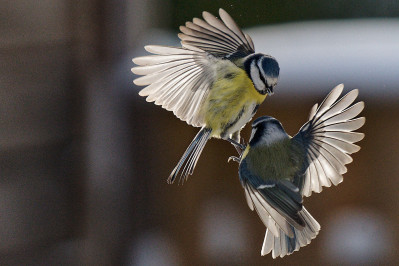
(277, 170)
(215, 81)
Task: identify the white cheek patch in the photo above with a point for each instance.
(259, 85)
(271, 81)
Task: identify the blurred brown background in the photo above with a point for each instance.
(84, 159)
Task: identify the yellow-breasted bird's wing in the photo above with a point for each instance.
(327, 140)
(220, 38)
(179, 78)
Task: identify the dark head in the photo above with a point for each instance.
(266, 130)
(263, 71)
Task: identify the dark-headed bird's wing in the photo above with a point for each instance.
(327, 140)
(279, 206)
(277, 202)
(179, 78)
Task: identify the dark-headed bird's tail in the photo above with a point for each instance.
(190, 157)
(283, 245)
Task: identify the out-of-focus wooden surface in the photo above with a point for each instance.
(36, 127)
(84, 160)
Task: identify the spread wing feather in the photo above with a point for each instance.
(221, 38)
(283, 235)
(276, 202)
(178, 79)
(282, 245)
(269, 216)
(327, 139)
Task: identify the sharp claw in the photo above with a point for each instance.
(234, 158)
(236, 144)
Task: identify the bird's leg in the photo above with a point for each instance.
(239, 147)
(235, 141)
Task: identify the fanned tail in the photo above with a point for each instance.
(284, 245)
(190, 156)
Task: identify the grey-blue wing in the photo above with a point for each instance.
(279, 195)
(279, 206)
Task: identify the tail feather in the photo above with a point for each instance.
(190, 157)
(284, 245)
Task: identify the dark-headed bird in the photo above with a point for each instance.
(215, 81)
(277, 170)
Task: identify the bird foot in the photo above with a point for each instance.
(233, 158)
(239, 147)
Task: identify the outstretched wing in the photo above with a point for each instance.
(277, 202)
(220, 38)
(179, 78)
(327, 140)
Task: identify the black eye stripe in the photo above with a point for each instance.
(261, 76)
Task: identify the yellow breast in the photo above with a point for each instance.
(231, 94)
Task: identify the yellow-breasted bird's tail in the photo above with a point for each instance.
(191, 156)
(284, 245)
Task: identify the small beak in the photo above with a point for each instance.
(270, 91)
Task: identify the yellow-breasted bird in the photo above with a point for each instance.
(277, 170)
(215, 81)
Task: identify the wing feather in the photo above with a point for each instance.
(178, 79)
(262, 212)
(344, 116)
(329, 100)
(350, 137)
(324, 180)
(263, 207)
(277, 203)
(327, 140)
(283, 245)
(341, 104)
(219, 37)
(232, 25)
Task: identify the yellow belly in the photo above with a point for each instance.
(229, 99)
